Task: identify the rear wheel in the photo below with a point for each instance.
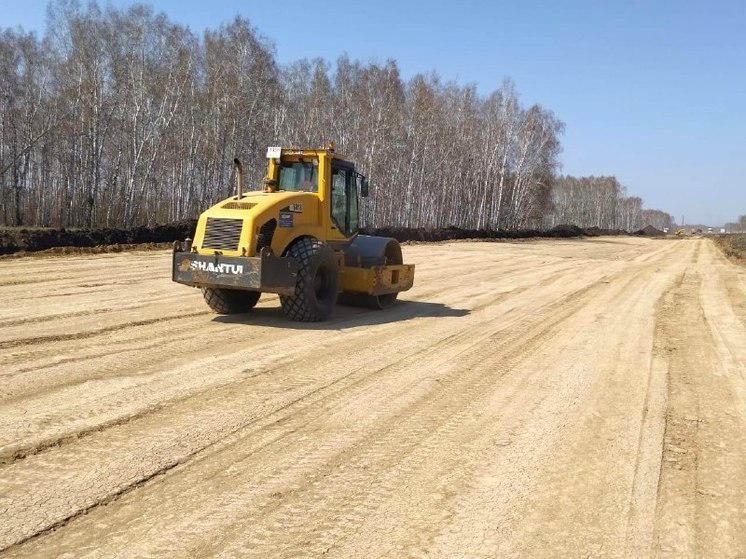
(230, 301)
(317, 286)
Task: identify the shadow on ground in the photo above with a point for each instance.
(344, 316)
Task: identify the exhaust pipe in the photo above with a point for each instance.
(239, 179)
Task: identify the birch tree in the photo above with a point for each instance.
(121, 117)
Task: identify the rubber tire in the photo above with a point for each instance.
(230, 301)
(312, 302)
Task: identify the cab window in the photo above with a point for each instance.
(298, 176)
(344, 202)
(354, 189)
(340, 178)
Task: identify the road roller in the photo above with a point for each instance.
(297, 236)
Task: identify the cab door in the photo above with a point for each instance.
(344, 202)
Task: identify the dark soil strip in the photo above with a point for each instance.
(55, 242)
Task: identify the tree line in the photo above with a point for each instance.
(121, 117)
(738, 226)
(601, 202)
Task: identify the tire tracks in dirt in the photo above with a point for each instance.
(456, 424)
(454, 338)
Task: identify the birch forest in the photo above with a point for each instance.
(601, 202)
(121, 117)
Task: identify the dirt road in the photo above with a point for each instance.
(543, 399)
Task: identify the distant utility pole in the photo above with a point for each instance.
(682, 220)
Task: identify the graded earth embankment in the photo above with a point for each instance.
(564, 398)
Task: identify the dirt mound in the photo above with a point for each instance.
(404, 234)
(34, 240)
(77, 251)
(565, 230)
(598, 232)
(733, 246)
(650, 231)
(74, 241)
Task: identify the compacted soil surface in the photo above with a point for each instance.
(564, 398)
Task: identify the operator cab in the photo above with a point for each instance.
(308, 170)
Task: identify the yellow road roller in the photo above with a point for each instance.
(297, 237)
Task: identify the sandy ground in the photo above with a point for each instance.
(581, 398)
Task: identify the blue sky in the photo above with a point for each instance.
(652, 92)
